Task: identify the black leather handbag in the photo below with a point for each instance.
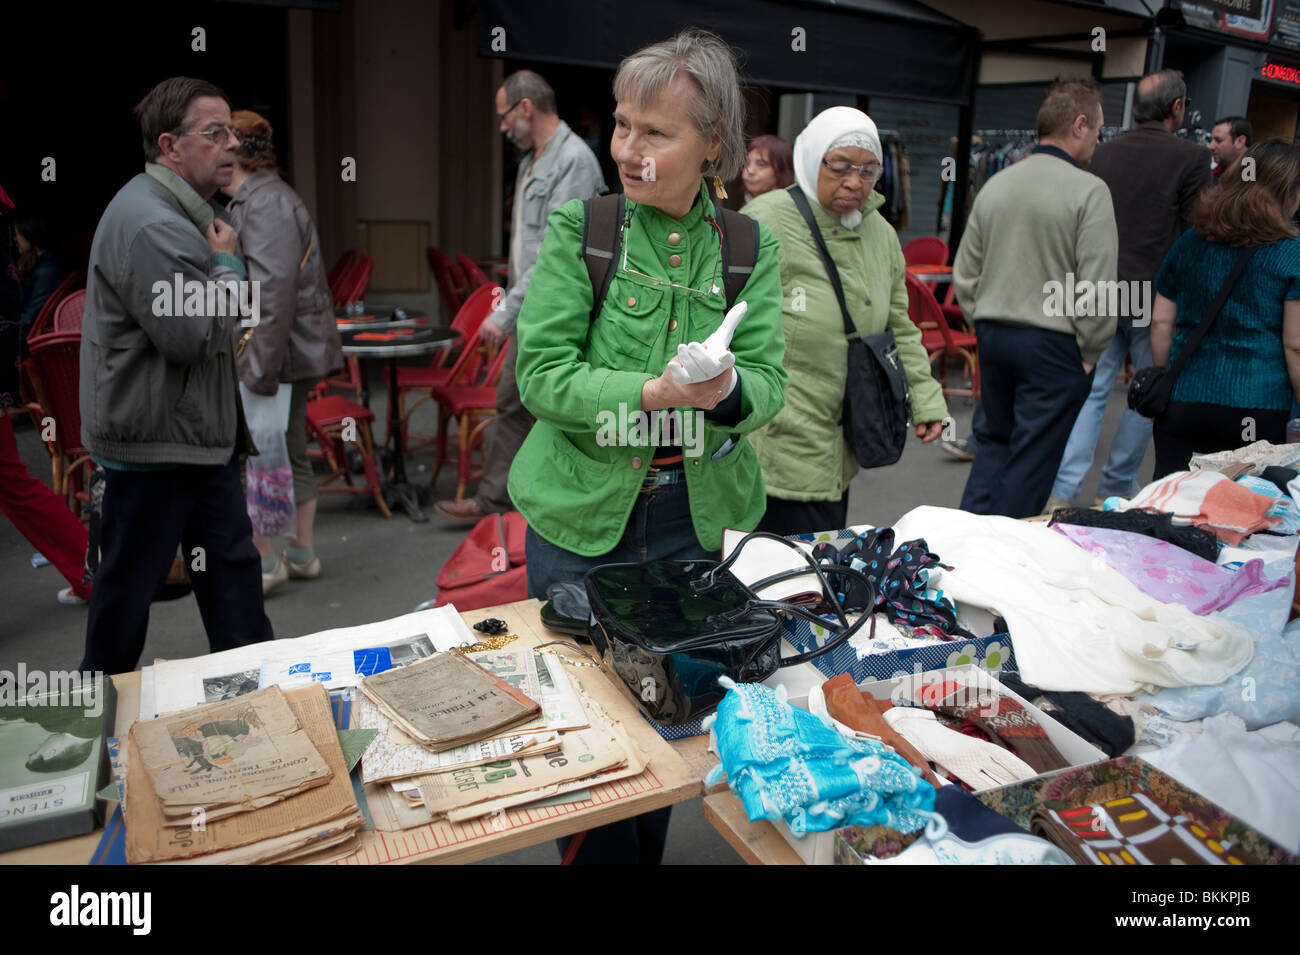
(667, 629)
(875, 389)
(1151, 389)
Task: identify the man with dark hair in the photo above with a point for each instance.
(556, 166)
(1229, 139)
(1042, 222)
(159, 403)
(1154, 179)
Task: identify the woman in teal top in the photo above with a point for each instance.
(1237, 387)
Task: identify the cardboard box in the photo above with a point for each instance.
(819, 848)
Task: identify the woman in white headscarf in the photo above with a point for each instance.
(807, 463)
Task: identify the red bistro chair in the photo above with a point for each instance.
(473, 274)
(61, 291)
(419, 382)
(67, 317)
(339, 269)
(329, 420)
(54, 369)
(453, 286)
(473, 406)
(940, 340)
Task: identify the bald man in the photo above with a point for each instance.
(1154, 179)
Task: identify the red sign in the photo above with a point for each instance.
(1283, 74)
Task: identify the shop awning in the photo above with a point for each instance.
(894, 48)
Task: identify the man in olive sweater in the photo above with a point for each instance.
(1041, 235)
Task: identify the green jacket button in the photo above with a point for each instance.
(636, 464)
(675, 260)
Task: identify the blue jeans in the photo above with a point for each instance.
(1119, 476)
(659, 528)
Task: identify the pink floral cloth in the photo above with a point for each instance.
(1167, 572)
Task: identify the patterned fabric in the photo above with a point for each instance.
(1206, 499)
(1127, 776)
(784, 763)
(1008, 723)
(902, 578)
(1134, 830)
(1169, 573)
(1284, 509)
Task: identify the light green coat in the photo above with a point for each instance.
(803, 452)
(576, 479)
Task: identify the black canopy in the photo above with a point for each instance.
(894, 48)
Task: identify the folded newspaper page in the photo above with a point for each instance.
(385, 760)
(228, 757)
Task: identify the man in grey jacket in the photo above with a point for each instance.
(165, 302)
(557, 167)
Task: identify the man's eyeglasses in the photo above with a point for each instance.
(214, 134)
(840, 170)
(501, 117)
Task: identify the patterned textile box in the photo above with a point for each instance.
(1125, 776)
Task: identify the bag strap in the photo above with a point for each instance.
(846, 629)
(739, 250)
(801, 203)
(1238, 267)
(602, 240)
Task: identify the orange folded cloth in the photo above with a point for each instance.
(861, 711)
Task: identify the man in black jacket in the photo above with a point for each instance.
(1155, 179)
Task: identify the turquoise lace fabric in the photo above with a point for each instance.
(784, 763)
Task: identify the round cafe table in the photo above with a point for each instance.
(389, 343)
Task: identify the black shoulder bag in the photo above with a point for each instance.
(667, 629)
(875, 391)
(1151, 389)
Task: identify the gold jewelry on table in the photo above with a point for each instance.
(491, 643)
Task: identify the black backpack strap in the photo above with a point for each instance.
(801, 203)
(601, 243)
(739, 250)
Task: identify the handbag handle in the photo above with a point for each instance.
(846, 629)
(801, 203)
(1216, 306)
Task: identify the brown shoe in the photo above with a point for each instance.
(462, 512)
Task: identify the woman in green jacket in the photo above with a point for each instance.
(601, 477)
(594, 486)
(807, 464)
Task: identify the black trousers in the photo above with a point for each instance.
(145, 515)
(1189, 428)
(787, 517)
(1033, 385)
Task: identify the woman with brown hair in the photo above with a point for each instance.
(1238, 385)
(295, 339)
(769, 165)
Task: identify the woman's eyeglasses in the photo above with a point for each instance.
(714, 288)
(841, 170)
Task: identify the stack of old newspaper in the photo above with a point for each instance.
(258, 778)
(569, 746)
